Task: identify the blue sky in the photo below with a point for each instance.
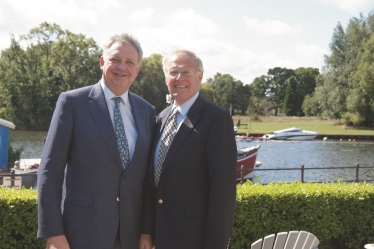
(243, 38)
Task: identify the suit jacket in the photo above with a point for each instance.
(98, 196)
(195, 199)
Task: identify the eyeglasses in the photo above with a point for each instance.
(184, 73)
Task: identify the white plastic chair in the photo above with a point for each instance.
(287, 240)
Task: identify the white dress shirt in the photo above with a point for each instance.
(126, 114)
(183, 111)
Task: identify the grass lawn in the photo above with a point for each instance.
(272, 123)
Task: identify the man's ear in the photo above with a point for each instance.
(101, 61)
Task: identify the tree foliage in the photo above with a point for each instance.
(291, 100)
(345, 89)
(150, 82)
(273, 86)
(38, 66)
(230, 93)
(207, 91)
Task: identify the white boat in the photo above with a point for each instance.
(293, 133)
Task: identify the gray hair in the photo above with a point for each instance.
(199, 62)
(124, 39)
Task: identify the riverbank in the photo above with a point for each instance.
(325, 128)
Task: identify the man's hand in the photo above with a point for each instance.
(57, 242)
(145, 241)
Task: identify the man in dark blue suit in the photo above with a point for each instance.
(194, 163)
(100, 137)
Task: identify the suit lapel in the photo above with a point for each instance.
(140, 121)
(99, 111)
(187, 126)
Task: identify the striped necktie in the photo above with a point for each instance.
(167, 138)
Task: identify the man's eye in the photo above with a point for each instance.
(173, 73)
(186, 73)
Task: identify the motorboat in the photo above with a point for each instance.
(247, 138)
(293, 133)
(246, 158)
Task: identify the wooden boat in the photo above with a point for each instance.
(246, 158)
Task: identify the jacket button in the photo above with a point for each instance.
(118, 199)
(160, 201)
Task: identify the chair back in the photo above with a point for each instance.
(287, 240)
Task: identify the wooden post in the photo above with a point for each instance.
(242, 174)
(357, 168)
(302, 173)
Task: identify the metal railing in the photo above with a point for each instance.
(303, 168)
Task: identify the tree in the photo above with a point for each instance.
(150, 82)
(230, 94)
(342, 90)
(38, 66)
(260, 86)
(278, 79)
(291, 99)
(207, 91)
(310, 106)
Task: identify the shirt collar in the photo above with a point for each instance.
(109, 94)
(186, 106)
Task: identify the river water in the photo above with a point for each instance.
(272, 154)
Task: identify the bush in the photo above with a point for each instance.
(19, 219)
(255, 117)
(339, 211)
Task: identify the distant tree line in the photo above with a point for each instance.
(38, 66)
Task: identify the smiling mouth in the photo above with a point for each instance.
(120, 75)
(180, 86)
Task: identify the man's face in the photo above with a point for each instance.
(183, 78)
(120, 67)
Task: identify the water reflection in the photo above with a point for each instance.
(272, 154)
(314, 154)
(31, 141)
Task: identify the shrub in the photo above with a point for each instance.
(18, 219)
(339, 211)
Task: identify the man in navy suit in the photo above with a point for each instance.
(91, 195)
(194, 167)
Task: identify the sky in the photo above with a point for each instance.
(243, 38)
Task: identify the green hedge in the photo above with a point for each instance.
(338, 211)
(19, 219)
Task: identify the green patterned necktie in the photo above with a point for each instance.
(119, 129)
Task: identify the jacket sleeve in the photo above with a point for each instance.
(148, 207)
(51, 170)
(221, 156)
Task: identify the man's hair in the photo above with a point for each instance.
(124, 39)
(199, 62)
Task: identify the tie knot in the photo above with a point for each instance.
(175, 112)
(117, 99)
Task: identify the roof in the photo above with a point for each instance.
(6, 123)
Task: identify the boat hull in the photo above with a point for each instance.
(246, 158)
(292, 138)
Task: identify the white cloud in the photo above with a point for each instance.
(139, 16)
(58, 11)
(351, 6)
(313, 55)
(270, 27)
(187, 24)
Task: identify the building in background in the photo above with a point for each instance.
(4, 140)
